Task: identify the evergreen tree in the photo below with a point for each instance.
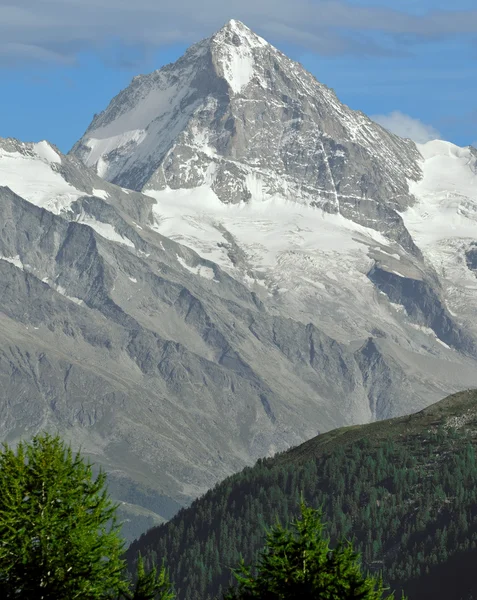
(297, 563)
(59, 536)
(151, 585)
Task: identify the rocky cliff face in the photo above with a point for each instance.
(273, 266)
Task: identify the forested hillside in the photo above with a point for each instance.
(404, 489)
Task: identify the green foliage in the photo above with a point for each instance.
(298, 563)
(405, 492)
(59, 535)
(57, 525)
(150, 585)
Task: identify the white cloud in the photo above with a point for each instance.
(13, 53)
(64, 28)
(407, 127)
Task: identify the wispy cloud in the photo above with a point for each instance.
(13, 53)
(407, 127)
(60, 28)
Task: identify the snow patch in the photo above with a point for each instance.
(14, 260)
(33, 179)
(264, 228)
(100, 194)
(447, 196)
(234, 47)
(443, 222)
(398, 307)
(44, 151)
(105, 230)
(392, 255)
(137, 133)
(200, 270)
(61, 290)
(238, 69)
(430, 332)
(101, 166)
(271, 244)
(103, 143)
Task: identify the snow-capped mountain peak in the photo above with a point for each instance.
(234, 54)
(237, 34)
(46, 152)
(45, 185)
(38, 173)
(235, 114)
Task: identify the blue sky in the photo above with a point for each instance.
(411, 64)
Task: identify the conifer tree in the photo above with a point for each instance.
(59, 534)
(151, 584)
(298, 564)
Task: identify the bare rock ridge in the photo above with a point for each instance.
(227, 263)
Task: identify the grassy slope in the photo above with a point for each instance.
(460, 407)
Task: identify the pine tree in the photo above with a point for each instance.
(297, 563)
(151, 585)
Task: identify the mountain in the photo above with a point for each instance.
(237, 116)
(164, 369)
(272, 265)
(404, 489)
(326, 216)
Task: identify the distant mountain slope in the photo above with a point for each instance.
(166, 370)
(405, 489)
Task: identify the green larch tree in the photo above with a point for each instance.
(59, 534)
